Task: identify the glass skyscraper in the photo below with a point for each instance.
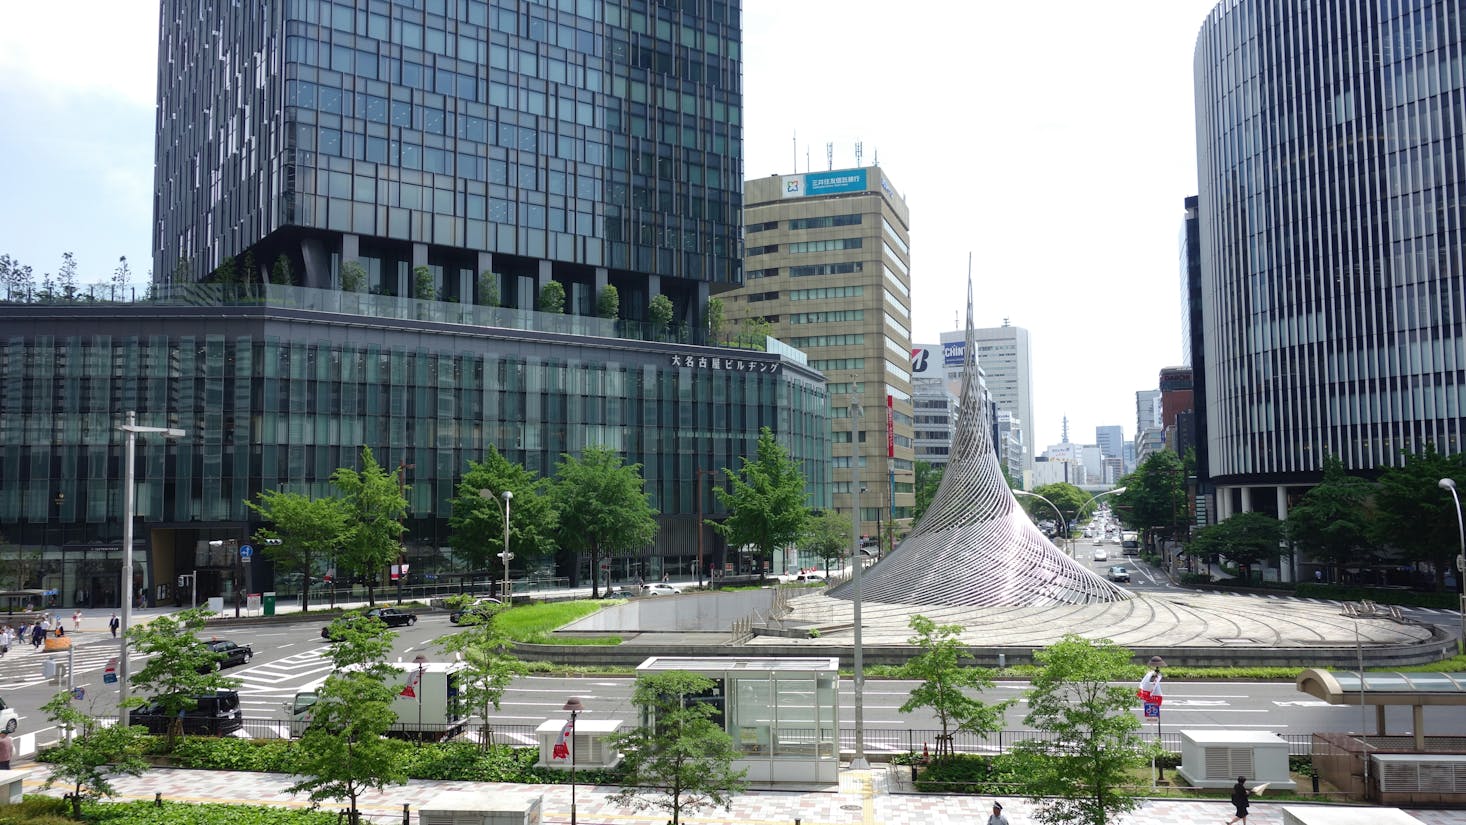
(1329, 142)
(358, 206)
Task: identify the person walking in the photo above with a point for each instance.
(7, 750)
(38, 634)
(1240, 801)
(997, 818)
(76, 620)
(114, 623)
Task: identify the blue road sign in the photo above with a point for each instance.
(1152, 710)
(246, 551)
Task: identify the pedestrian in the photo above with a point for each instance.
(76, 620)
(5, 640)
(114, 623)
(1240, 801)
(7, 750)
(38, 634)
(997, 818)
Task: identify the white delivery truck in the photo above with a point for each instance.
(429, 703)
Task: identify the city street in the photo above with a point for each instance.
(290, 657)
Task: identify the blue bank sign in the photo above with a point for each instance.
(825, 183)
(952, 354)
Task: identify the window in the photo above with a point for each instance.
(825, 269)
(761, 227)
(827, 317)
(823, 293)
(825, 222)
(762, 250)
(833, 245)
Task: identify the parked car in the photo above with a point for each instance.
(232, 654)
(216, 714)
(659, 589)
(9, 721)
(1100, 554)
(618, 592)
(1118, 573)
(483, 607)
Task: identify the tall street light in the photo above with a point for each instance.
(1450, 485)
(1063, 524)
(858, 762)
(508, 495)
(129, 504)
(575, 706)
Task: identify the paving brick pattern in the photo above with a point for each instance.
(862, 798)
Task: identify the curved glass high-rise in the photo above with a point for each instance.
(1331, 168)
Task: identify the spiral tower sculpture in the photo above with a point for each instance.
(975, 545)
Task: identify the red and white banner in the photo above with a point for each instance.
(414, 681)
(1150, 688)
(562, 744)
(890, 427)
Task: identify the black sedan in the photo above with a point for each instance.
(389, 616)
(230, 653)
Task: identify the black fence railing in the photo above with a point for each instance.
(877, 742)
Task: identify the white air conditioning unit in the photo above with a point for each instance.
(1214, 758)
(480, 808)
(591, 748)
(1425, 773)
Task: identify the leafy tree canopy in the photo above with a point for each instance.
(603, 506)
(308, 531)
(829, 536)
(375, 506)
(766, 500)
(1155, 494)
(552, 297)
(945, 683)
(1067, 497)
(1246, 538)
(608, 303)
(928, 477)
(179, 665)
(1414, 515)
(478, 523)
(1332, 521)
(94, 755)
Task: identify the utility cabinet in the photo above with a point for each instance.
(480, 808)
(1215, 758)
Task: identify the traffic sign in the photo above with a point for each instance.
(245, 552)
(1152, 710)
(109, 673)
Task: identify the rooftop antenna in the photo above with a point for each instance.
(829, 157)
(877, 161)
(795, 141)
(1065, 439)
(859, 153)
(806, 159)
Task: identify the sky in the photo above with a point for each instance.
(1052, 142)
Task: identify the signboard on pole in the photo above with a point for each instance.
(252, 601)
(1152, 710)
(245, 553)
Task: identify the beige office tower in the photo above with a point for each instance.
(827, 263)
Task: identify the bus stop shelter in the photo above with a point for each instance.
(1380, 690)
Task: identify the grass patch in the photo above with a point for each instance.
(533, 623)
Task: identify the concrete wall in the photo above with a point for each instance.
(713, 611)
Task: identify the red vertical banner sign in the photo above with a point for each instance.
(890, 427)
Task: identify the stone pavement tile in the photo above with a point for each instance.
(852, 805)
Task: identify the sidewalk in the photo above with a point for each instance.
(862, 798)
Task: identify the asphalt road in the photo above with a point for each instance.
(289, 658)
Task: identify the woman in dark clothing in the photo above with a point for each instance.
(1240, 800)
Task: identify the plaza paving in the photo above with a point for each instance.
(874, 797)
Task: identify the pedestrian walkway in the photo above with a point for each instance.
(861, 798)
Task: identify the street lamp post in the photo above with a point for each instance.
(1063, 525)
(575, 706)
(858, 762)
(1449, 484)
(504, 554)
(129, 504)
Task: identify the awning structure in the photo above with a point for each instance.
(1343, 687)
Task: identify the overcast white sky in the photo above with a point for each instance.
(1054, 141)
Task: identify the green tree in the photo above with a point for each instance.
(489, 667)
(178, 667)
(94, 755)
(478, 524)
(765, 500)
(1067, 497)
(1247, 539)
(280, 273)
(945, 680)
(608, 305)
(344, 751)
(424, 287)
(552, 298)
(660, 311)
(928, 477)
(1332, 521)
(1414, 516)
(755, 330)
(1081, 772)
(308, 531)
(603, 507)
(715, 318)
(353, 277)
(488, 288)
(375, 506)
(828, 535)
(121, 279)
(67, 280)
(227, 273)
(1155, 495)
(248, 271)
(679, 761)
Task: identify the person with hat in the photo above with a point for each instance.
(997, 818)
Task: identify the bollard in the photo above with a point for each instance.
(158, 799)
(1315, 782)
(404, 814)
(1002, 660)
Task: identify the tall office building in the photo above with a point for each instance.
(359, 209)
(1006, 360)
(1331, 239)
(1111, 440)
(828, 265)
(1149, 432)
(935, 405)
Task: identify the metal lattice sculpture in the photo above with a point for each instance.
(975, 545)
